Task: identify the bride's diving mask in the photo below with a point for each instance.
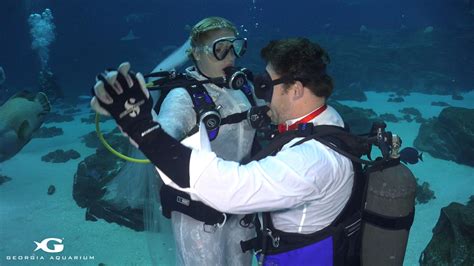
(222, 46)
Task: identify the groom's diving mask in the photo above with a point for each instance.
(263, 85)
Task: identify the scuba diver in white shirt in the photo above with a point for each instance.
(304, 182)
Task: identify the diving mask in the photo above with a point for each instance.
(263, 85)
(222, 46)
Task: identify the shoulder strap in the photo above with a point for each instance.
(171, 83)
(200, 98)
(247, 90)
(343, 142)
(203, 103)
(274, 146)
(163, 94)
(239, 117)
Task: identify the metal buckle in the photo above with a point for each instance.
(220, 225)
(244, 224)
(209, 228)
(275, 239)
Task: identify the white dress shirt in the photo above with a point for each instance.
(305, 187)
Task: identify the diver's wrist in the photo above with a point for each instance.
(165, 152)
(140, 132)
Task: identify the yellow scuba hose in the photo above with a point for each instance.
(112, 150)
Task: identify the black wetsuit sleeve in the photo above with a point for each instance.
(168, 154)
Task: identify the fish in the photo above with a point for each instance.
(84, 98)
(51, 190)
(20, 116)
(3, 77)
(130, 37)
(410, 155)
(428, 29)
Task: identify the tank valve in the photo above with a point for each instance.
(396, 143)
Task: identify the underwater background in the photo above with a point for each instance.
(408, 63)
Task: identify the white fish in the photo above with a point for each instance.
(84, 97)
(130, 37)
(428, 29)
(3, 77)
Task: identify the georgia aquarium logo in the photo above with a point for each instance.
(52, 246)
(43, 245)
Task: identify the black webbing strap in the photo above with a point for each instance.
(275, 145)
(239, 117)
(322, 131)
(175, 200)
(386, 222)
(234, 118)
(247, 90)
(256, 242)
(230, 119)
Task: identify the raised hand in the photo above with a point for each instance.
(123, 95)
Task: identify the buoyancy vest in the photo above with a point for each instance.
(340, 242)
(204, 106)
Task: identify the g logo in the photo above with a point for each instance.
(43, 245)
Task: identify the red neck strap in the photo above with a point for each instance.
(283, 127)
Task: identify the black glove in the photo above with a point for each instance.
(257, 116)
(124, 96)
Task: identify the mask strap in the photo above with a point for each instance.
(282, 80)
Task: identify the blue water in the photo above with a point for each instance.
(415, 38)
(88, 32)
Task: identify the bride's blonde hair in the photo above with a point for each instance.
(203, 28)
